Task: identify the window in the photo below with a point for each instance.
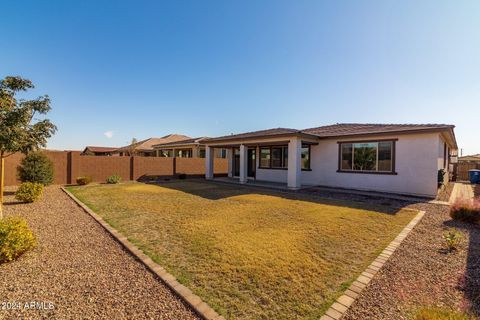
(201, 153)
(276, 157)
(305, 157)
(265, 157)
(373, 157)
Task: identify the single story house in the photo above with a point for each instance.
(392, 158)
(145, 147)
(188, 148)
(98, 151)
(473, 158)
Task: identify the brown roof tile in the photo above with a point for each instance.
(253, 134)
(100, 149)
(348, 129)
(147, 144)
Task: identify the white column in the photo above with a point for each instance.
(243, 163)
(230, 162)
(294, 164)
(209, 156)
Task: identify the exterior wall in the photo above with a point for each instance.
(100, 168)
(416, 164)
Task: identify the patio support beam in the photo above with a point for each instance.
(209, 156)
(243, 163)
(230, 162)
(294, 173)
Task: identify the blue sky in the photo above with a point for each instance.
(209, 68)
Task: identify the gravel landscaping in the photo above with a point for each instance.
(80, 269)
(420, 274)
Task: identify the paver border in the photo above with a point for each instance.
(343, 303)
(184, 293)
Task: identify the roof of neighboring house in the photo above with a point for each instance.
(340, 130)
(99, 149)
(147, 144)
(191, 141)
(474, 157)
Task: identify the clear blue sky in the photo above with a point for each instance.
(209, 68)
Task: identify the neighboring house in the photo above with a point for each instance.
(145, 147)
(98, 151)
(393, 158)
(188, 148)
(472, 158)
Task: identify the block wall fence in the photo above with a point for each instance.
(70, 164)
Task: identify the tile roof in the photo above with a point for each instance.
(147, 144)
(348, 129)
(253, 134)
(181, 142)
(336, 130)
(100, 149)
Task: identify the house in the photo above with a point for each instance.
(472, 158)
(145, 147)
(392, 158)
(98, 151)
(188, 148)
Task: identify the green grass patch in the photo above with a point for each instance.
(250, 253)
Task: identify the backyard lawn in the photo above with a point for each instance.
(249, 253)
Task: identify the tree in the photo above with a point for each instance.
(131, 147)
(36, 167)
(20, 130)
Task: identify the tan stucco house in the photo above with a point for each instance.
(393, 158)
(145, 147)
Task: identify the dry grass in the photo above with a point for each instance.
(250, 253)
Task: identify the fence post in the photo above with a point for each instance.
(132, 168)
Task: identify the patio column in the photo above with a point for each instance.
(243, 163)
(294, 164)
(209, 156)
(230, 162)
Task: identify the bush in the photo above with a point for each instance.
(15, 238)
(114, 179)
(36, 167)
(29, 192)
(452, 239)
(83, 180)
(468, 211)
(440, 314)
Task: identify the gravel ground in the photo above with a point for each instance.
(420, 273)
(80, 269)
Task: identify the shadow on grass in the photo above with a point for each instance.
(472, 273)
(216, 191)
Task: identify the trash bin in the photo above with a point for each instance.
(474, 176)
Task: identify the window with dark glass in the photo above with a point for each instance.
(184, 153)
(305, 157)
(265, 157)
(201, 153)
(367, 156)
(277, 157)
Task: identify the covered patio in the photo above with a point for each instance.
(275, 157)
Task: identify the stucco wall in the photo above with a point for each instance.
(416, 166)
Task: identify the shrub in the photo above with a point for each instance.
(114, 179)
(29, 192)
(440, 177)
(452, 239)
(431, 313)
(84, 180)
(468, 211)
(15, 238)
(36, 167)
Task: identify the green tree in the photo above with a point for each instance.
(20, 130)
(36, 167)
